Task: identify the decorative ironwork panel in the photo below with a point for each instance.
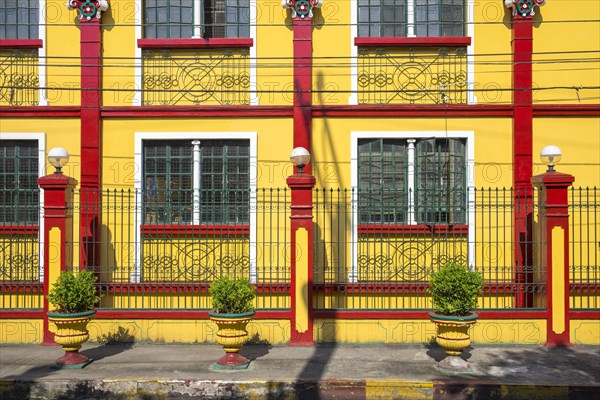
(412, 76)
(19, 77)
(393, 258)
(19, 258)
(194, 77)
(194, 259)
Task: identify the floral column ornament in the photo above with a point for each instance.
(88, 10)
(524, 8)
(301, 8)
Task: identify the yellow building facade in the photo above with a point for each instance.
(424, 121)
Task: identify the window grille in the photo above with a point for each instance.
(397, 176)
(216, 192)
(382, 180)
(19, 19)
(196, 18)
(440, 181)
(19, 194)
(411, 18)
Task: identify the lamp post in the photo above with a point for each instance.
(58, 158)
(550, 156)
(56, 226)
(553, 244)
(301, 252)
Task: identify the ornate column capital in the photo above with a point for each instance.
(301, 8)
(88, 10)
(524, 8)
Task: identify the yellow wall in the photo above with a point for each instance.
(62, 52)
(563, 60)
(579, 141)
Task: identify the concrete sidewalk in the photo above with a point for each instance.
(342, 371)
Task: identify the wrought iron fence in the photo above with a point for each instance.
(584, 239)
(387, 266)
(146, 264)
(21, 252)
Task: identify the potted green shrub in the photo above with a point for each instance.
(73, 297)
(232, 309)
(454, 292)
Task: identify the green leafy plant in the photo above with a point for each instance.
(232, 296)
(74, 293)
(454, 289)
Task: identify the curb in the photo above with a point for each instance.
(156, 389)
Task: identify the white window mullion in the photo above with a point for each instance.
(411, 181)
(198, 19)
(410, 18)
(196, 183)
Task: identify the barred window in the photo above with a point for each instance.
(408, 181)
(440, 176)
(19, 19)
(196, 182)
(19, 193)
(382, 181)
(411, 18)
(178, 19)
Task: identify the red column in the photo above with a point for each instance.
(91, 50)
(301, 258)
(90, 15)
(302, 83)
(58, 190)
(554, 256)
(301, 184)
(522, 47)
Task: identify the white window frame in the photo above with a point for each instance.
(411, 136)
(41, 140)
(470, 18)
(139, 34)
(140, 137)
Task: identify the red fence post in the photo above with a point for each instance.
(57, 233)
(301, 329)
(554, 258)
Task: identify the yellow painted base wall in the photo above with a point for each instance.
(421, 331)
(585, 331)
(532, 332)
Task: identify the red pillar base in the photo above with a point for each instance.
(48, 339)
(231, 361)
(72, 360)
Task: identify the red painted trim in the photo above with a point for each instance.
(41, 112)
(566, 110)
(584, 314)
(21, 287)
(411, 110)
(174, 229)
(21, 44)
(413, 229)
(450, 41)
(187, 314)
(196, 111)
(19, 229)
(212, 43)
(173, 287)
(423, 314)
(399, 287)
(21, 314)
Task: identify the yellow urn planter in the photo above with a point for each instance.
(453, 336)
(71, 333)
(232, 335)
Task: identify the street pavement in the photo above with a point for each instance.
(329, 371)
